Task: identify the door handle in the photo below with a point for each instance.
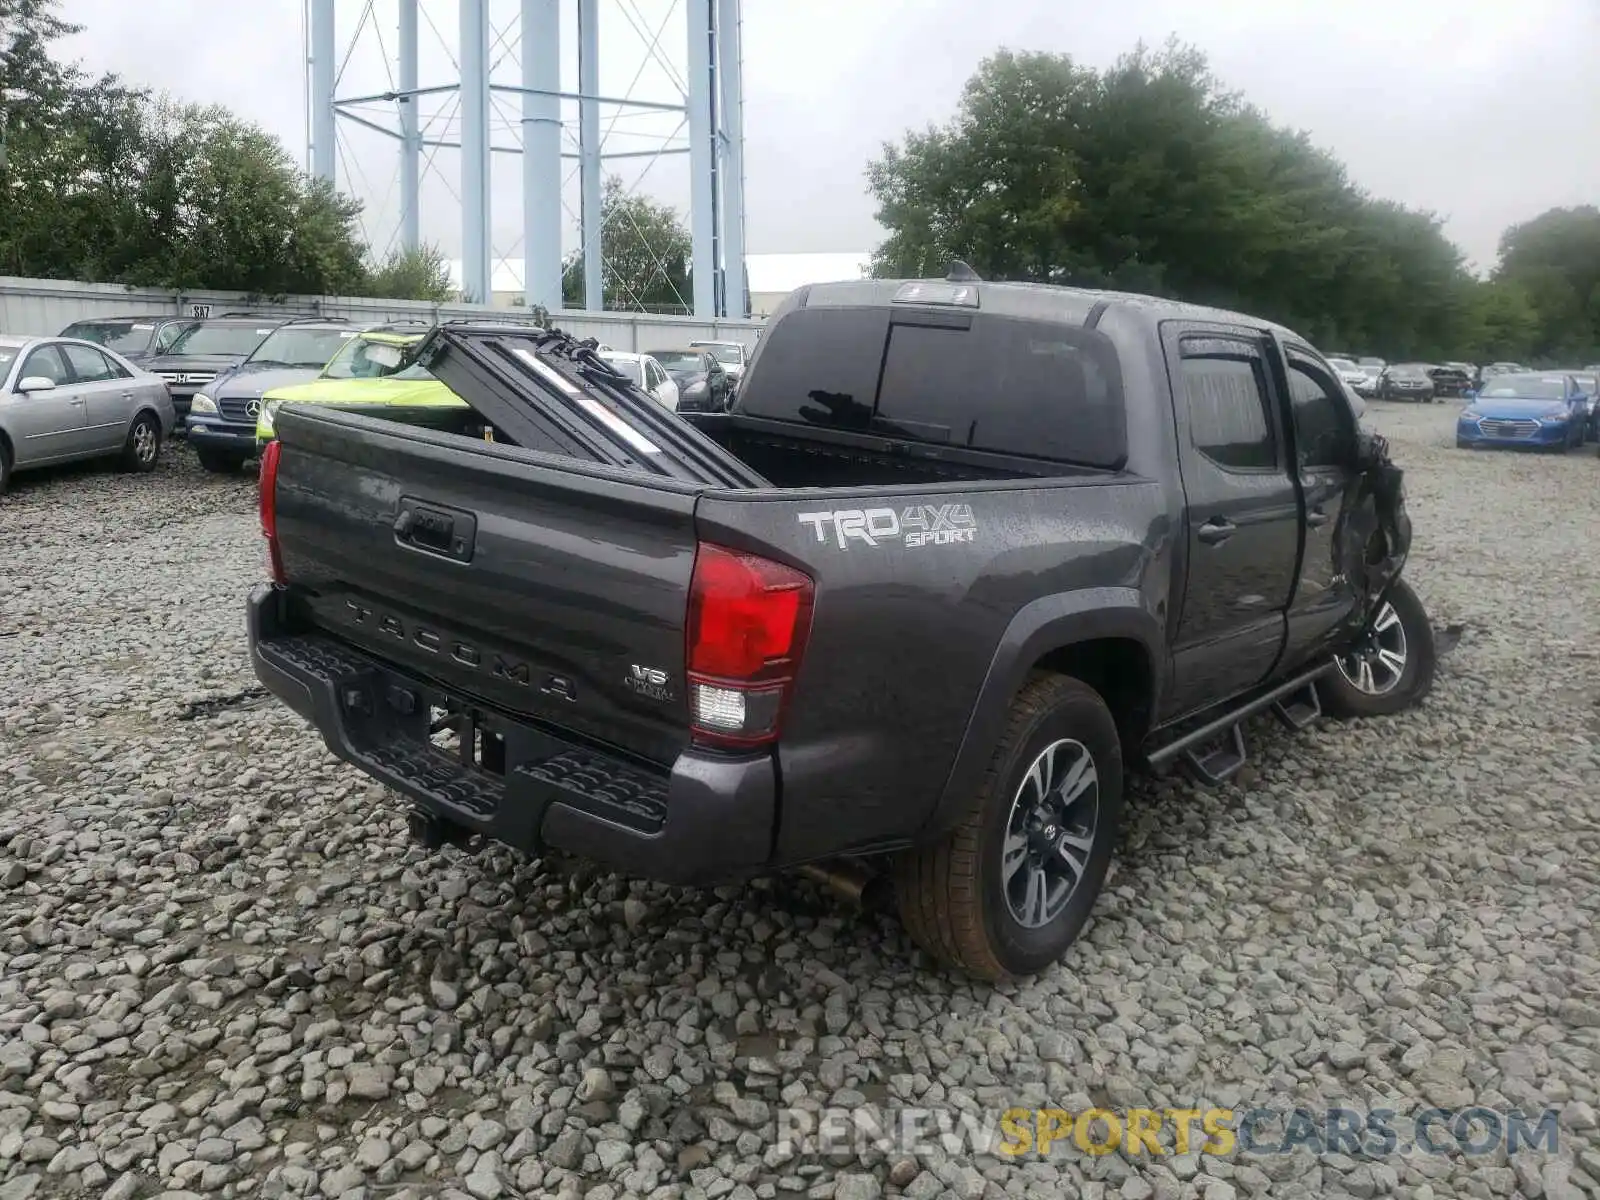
(1217, 530)
(1316, 517)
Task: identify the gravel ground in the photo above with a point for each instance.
(224, 970)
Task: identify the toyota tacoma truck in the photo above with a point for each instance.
(961, 556)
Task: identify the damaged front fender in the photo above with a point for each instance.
(1375, 537)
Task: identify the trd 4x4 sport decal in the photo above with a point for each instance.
(918, 525)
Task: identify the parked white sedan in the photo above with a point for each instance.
(645, 373)
(63, 399)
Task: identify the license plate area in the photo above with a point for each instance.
(463, 734)
(487, 771)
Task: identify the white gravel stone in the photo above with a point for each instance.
(225, 971)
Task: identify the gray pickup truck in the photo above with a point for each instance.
(961, 555)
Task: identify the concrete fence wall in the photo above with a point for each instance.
(47, 306)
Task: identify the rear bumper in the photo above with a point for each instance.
(211, 433)
(707, 820)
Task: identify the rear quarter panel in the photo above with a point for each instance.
(915, 592)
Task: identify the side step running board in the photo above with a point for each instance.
(1294, 702)
(1222, 762)
(1299, 709)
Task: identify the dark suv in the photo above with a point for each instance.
(194, 352)
(1407, 381)
(136, 338)
(221, 423)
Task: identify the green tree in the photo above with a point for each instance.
(1151, 176)
(645, 251)
(242, 216)
(420, 274)
(1555, 260)
(62, 135)
(1502, 324)
(105, 183)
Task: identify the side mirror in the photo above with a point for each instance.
(36, 383)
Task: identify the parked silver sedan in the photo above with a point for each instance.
(63, 399)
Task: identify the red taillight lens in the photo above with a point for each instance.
(268, 500)
(748, 621)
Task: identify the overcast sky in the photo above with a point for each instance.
(1486, 111)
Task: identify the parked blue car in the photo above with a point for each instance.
(1543, 410)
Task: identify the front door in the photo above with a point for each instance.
(1242, 534)
(107, 393)
(1325, 458)
(53, 424)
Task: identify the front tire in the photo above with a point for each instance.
(1008, 890)
(5, 466)
(1391, 668)
(142, 450)
(218, 463)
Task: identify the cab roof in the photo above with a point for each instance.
(1032, 301)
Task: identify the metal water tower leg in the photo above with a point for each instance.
(475, 152)
(730, 74)
(541, 153)
(410, 137)
(702, 158)
(323, 52)
(589, 164)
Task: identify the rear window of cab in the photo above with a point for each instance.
(979, 381)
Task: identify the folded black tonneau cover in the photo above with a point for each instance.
(547, 390)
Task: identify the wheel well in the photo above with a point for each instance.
(1120, 670)
(5, 444)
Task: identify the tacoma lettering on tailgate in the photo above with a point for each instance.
(917, 525)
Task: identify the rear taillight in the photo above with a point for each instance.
(269, 508)
(747, 627)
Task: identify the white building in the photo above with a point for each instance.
(772, 276)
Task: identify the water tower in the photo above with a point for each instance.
(459, 93)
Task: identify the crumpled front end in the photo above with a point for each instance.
(1376, 536)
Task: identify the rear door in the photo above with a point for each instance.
(52, 424)
(1242, 527)
(107, 392)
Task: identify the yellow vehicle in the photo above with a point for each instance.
(372, 370)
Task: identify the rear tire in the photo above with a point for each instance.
(1392, 670)
(142, 450)
(1008, 890)
(218, 463)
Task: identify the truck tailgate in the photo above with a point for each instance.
(551, 589)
